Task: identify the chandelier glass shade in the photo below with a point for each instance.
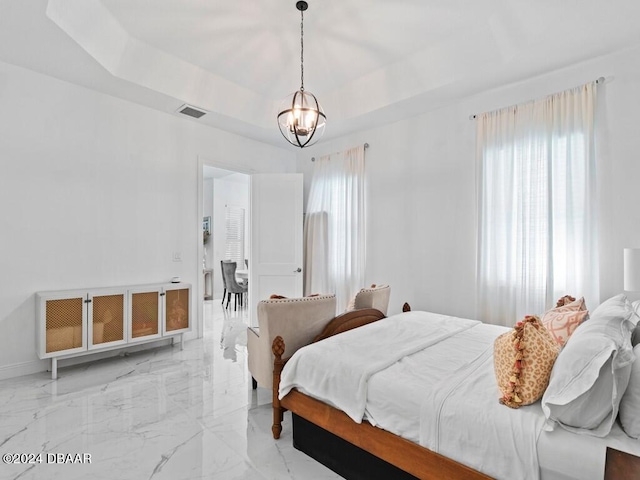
(300, 118)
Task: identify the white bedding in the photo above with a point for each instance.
(489, 437)
(568, 456)
(403, 381)
(348, 360)
(398, 408)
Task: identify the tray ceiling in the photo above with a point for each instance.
(364, 60)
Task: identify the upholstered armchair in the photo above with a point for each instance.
(297, 320)
(376, 296)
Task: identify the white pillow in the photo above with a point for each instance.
(617, 307)
(630, 404)
(635, 335)
(592, 371)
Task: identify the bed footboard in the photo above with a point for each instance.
(341, 323)
(278, 364)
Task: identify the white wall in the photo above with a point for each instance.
(421, 196)
(97, 191)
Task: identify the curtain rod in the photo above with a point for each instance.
(366, 145)
(599, 80)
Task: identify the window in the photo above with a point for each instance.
(234, 241)
(334, 226)
(537, 235)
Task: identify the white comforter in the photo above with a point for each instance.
(457, 409)
(337, 370)
(462, 419)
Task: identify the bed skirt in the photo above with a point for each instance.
(344, 458)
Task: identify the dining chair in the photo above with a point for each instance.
(231, 284)
(224, 283)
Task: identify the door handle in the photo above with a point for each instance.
(298, 270)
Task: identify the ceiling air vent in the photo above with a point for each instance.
(191, 111)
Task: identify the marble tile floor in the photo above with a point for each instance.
(163, 414)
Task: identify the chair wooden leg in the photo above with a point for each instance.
(223, 295)
(254, 383)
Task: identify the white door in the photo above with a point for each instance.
(275, 258)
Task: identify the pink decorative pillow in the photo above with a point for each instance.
(523, 359)
(563, 320)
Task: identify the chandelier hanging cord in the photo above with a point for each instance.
(302, 6)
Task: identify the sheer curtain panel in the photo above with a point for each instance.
(334, 226)
(537, 212)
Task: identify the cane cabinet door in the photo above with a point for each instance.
(107, 318)
(145, 310)
(177, 308)
(62, 319)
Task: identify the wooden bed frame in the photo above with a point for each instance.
(397, 451)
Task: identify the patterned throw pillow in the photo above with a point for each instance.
(565, 318)
(566, 300)
(523, 359)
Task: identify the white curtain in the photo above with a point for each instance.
(316, 253)
(537, 206)
(335, 226)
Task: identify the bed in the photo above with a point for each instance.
(439, 422)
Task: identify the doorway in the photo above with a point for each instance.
(273, 214)
(226, 209)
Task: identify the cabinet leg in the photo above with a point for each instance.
(181, 341)
(54, 368)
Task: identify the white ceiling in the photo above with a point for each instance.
(368, 62)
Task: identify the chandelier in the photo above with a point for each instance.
(301, 119)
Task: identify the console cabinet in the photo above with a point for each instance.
(79, 322)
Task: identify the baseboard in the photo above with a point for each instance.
(24, 368)
(37, 366)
